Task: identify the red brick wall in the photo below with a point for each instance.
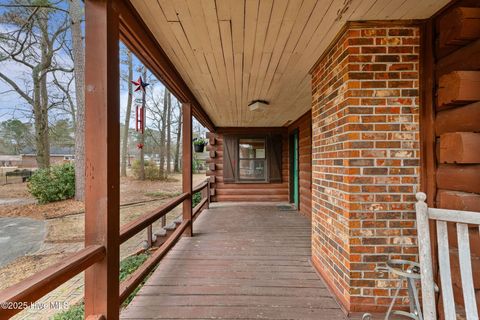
(365, 161)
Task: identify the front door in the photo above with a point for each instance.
(294, 193)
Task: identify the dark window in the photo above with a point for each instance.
(252, 161)
(252, 158)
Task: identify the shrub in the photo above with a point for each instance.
(127, 267)
(152, 170)
(196, 198)
(196, 165)
(53, 184)
(131, 263)
(75, 312)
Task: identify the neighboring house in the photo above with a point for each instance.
(57, 156)
(30, 160)
(344, 109)
(10, 160)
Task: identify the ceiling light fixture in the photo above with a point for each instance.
(258, 105)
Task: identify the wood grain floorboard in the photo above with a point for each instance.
(244, 262)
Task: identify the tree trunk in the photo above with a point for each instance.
(123, 167)
(78, 53)
(41, 104)
(169, 134)
(141, 140)
(176, 160)
(41, 122)
(44, 125)
(163, 134)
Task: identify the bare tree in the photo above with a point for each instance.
(128, 112)
(162, 127)
(66, 94)
(176, 158)
(157, 120)
(34, 41)
(78, 54)
(169, 134)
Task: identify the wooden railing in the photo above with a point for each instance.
(132, 228)
(20, 296)
(205, 200)
(135, 226)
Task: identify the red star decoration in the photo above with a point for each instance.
(140, 84)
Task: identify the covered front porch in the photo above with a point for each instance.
(351, 96)
(246, 260)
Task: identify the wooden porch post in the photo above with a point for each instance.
(102, 160)
(187, 164)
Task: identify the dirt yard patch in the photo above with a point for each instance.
(131, 191)
(65, 222)
(14, 190)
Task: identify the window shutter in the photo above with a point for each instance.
(275, 157)
(229, 158)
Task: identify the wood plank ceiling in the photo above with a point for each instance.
(231, 52)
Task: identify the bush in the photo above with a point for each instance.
(75, 312)
(196, 198)
(131, 263)
(196, 165)
(53, 184)
(152, 170)
(127, 267)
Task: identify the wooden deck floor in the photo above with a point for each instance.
(244, 262)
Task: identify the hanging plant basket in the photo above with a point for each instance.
(199, 147)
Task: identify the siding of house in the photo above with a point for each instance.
(30, 161)
(271, 192)
(452, 123)
(365, 158)
(304, 127)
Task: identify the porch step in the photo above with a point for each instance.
(256, 197)
(160, 237)
(178, 220)
(273, 191)
(170, 227)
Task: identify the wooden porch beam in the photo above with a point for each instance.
(102, 161)
(427, 116)
(139, 39)
(187, 165)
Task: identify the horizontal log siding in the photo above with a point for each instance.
(304, 127)
(457, 129)
(249, 192)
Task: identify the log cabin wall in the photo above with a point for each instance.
(250, 192)
(304, 127)
(452, 121)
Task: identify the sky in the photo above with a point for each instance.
(12, 106)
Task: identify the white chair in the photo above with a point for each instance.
(441, 216)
